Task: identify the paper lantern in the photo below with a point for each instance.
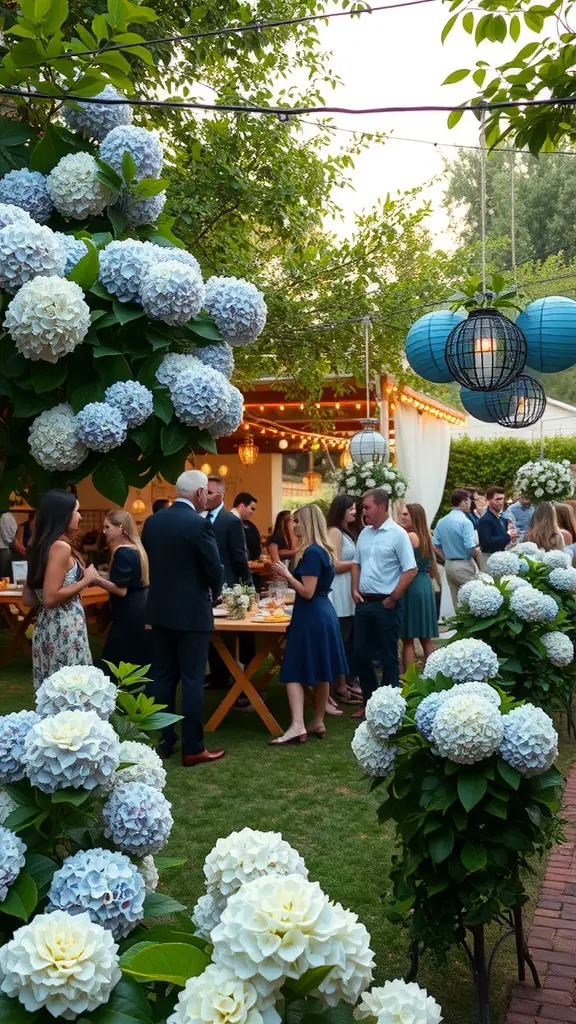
(550, 328)
(519, 404)
(486, 351)
(426, 342)
(476, 403)
(368, 445)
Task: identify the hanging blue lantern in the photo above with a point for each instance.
(550, 328)
(520, 404)
(483, 405)
(426, 342)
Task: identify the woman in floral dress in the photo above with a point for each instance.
(56, 579)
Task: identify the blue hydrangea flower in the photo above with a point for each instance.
(169, 253)
(385, 711)
(219, 357)
(175, 363)
(122, 265)
(375, 757)
(100, 427)
(563, 580)
(12, 857)
(172, 292)
(484, 601)
(559, 648)
(467, 728)
(77, 688)
(103, 884)
(71, 749)
(503, 563)
(237, 308)
(530, 741)
(28, 250)
(531, 605)
(146, 211)
(95, 120)
(143, 146)
(231, 414)
(557, 559)
(524, 566)
(13, 729)
(137, 818)
(10, 214)
(426, 712)
(134, 402)
(29, 190)
(73, 248)
(199, 397)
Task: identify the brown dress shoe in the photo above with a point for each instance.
(189, 760)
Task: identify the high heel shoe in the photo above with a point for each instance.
(280, 742)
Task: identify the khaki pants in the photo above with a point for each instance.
(459, 571)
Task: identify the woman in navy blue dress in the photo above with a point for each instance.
(314, 654)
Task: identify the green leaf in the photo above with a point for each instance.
(309, 981)
(14, 133)
(471, 789)
(173, 437)
(441, 845)
(157, 904)
(127, 1005)
(514, 27)
(497, 807)
(148, 187)
(22, 897)
(55, 16)
(41, 869)
(163, 863)
(473, 856)
(454, 117)
(456, 76)
(125, 312)
(509, 774)
(90, 392)
(48, 376)
(113, 368)
(21, 817)
(172, 962)
(206, 441)
(50, 149)
(163, 407)
(118, 221)
(147, 372)
(12, 1012)
(85, 273)
(145, 435)
(76, 797)
(533, 21)
(468, 22)
(109, 479)
(204, 328)
(129, 168)
(158, 720)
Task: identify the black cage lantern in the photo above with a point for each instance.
(486, 351)
(521, 403)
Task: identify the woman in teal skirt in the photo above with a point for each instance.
(418, 617)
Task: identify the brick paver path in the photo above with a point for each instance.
(553, 935)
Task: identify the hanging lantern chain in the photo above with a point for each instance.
(367, 363)
(483, 161)
(513, 217)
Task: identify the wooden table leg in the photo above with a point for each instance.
(244, 685)
(19, 640)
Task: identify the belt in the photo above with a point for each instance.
(374, 597)
(459, 559)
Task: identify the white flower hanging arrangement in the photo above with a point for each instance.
(361, 476)
(544, 480)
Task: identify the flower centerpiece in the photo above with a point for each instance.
(361, 476)
(239, 599)
(544, 480)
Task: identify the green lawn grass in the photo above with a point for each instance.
(315, 795)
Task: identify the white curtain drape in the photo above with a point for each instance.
(422, 453)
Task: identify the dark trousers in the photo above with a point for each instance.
(376, 636)
(346, 624)
(179, 655)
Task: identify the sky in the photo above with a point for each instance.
(396, 58)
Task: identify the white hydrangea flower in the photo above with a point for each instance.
(207, 913)
(557, 559)
(245, 855)
(531, 605)
(218, 997)
(559, 648)
(173, 364)
(10, 214)
(435, 661)
(503, 563)
(7, 805)
(480, 689)
(528, 548)
(353, 961)
(101, 427)
(75, 188)
(278, 926)
(513, 582)
(149, 871)
(463, 661)
(485, 601)
(230, 416)
(77, 688)
(62, 962)
(466, 589)
(53, 439)
(467, 729)
(219, 356)
(385, 711)
(48, 318)
(72, 748)
(73, 248)
(122, 264)
(399, 1002)
(146, 766)
(530, 741)
(375, 758)
(172, 292)
(27, 251)
(563, 580)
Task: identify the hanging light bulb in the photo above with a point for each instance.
(283, 444)
(206, 468)
(345, 459)
(248, 451)
(138, 506)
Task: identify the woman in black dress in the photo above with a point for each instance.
(128, 640)
(282, 543)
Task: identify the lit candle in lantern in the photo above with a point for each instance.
(484, 349)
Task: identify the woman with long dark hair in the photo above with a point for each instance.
(340, 521)
(282, 542)
(418, 617)
(56, 579)
(128, 639)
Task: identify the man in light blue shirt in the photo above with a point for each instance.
(384, 566)
(521, 512)
(456, 544)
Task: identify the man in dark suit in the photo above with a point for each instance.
(229, 533)
(494, 529)
(186, 575)
(244, 507)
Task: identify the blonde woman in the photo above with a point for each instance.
(544, 530)
(314, 654)
(127, 640)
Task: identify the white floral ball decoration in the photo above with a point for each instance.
(355, 479)
(142, 145)
(559, 648)
(173, 364)
(28, 190)
(149, 871)
(467, 729)
(198, 397)
(399, 1002)
(485, 601)
(563, 580)
(137, 818)
(531, 605)
(237, 308)
(463, 661)
(7, 805)
(145, 765)
(385, 711)
(77, 688)
(279, 926)
(530, 741)
(101, 427)
(557, 559)
(374, 757)
(28, 251)
(95, 120)
(172, 292)
(75, 188)
(503, 563)
(71, 749)
(218, 997)
(12, 859)
(48, 318)
(53, 439)
(34, 971)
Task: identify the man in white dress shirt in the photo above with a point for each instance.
(384, 566)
